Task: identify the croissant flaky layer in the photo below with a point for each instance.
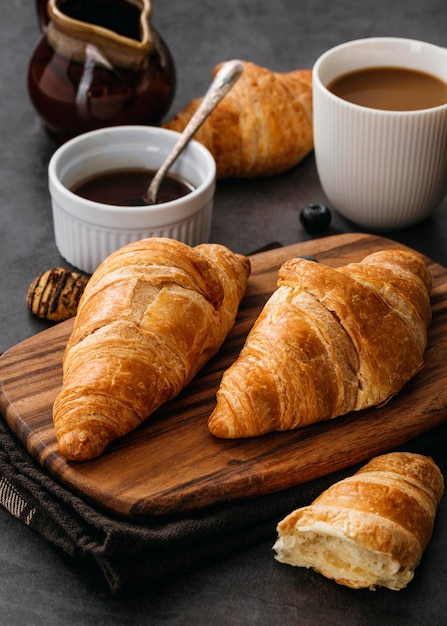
(328, 341)
(369, 529)
(150, 317)
(262, 127)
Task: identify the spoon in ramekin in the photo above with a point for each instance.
(225, 79)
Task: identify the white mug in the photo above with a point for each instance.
(381, 169)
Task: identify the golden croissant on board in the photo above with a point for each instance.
(369, 529)
(328, 341)
(150, 317)
(263, 126)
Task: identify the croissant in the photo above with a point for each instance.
(328, 342)
(369, 529)
(150, 317)
(263, 126)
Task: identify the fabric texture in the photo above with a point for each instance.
(129, 552)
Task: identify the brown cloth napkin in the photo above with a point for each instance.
(128, 553)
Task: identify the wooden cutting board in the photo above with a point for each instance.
(172, 465)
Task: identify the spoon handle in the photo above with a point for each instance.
(225, 78)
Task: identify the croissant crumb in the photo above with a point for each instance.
(370, 529)
(54, 295)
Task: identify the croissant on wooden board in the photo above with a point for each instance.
(328, 342)
(369, 529)
(150, 317)
(263, 126)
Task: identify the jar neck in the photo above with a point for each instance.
(76, 35)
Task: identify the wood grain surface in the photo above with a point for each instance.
(172, 465)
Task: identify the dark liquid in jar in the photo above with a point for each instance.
(120, 16)
(127, 187)
(391, 89)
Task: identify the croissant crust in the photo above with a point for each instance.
(150, 317)
(328, 342)
(263, 126)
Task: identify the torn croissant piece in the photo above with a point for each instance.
(150, 317)
(369, 529)
(54, 295)
(262, 127)
(328, 342)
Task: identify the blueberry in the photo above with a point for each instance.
(315, 218)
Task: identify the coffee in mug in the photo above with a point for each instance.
(391, 88)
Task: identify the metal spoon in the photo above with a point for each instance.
(226, 77)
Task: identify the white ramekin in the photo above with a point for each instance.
(86, 232)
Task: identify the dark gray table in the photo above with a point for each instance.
(39, 585)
